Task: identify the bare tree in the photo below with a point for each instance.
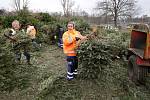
(20, 4)
(67, 6)
(2, 12)
(117, 8)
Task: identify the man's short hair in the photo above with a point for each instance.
(15, 22)
(73, 23)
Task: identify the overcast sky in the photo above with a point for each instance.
(55, 5)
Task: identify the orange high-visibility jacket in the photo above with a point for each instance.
(69, 42)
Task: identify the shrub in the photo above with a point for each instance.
(45, 17)
(7, 20)
(97, 54)
(7, 66)
(11, 75)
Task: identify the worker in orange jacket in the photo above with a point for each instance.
(71, 40)
(31, 32)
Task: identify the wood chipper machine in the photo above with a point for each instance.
(139, 53)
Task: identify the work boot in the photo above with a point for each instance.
(29, 63)
(18, 61)
(75, 73)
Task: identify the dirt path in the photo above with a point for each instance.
(48, 64)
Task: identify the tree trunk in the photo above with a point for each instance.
(115, 16)
(115, 21)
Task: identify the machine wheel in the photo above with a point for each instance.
(136, 73)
